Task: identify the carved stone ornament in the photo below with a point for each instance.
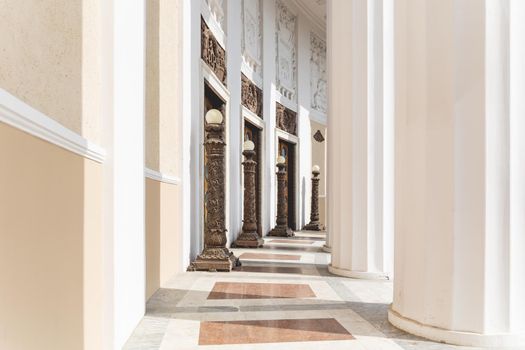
(212, 53)
(318, 82)
(286, 119)
(215, 256)
(252, 34)
(314, 224)
(318, 136)
(249, 237)
(251, 96)
(286, 65)
(217, 11)
(281, 228)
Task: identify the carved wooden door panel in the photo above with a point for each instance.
(253, 133)
(287, 150)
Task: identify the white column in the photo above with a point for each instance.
(235, 122)
(123, 66)
(303, 121)
(269, 52)
(356, 213)
(454, 265)
(191, 125)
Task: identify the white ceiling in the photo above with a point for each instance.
(315, 10)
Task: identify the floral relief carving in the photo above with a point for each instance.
(286, 119)
(252, 34)
(286, 65)
(212, 53)
(251, 96)
(217, 11)
(318, 73)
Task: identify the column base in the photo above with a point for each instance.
(215, 259)
(327, 249)
(314, 226)
(281, 231)
(364, 275)
(496, 341)
(248, 240)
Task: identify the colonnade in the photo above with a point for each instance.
(441, 83)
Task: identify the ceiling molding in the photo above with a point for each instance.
(319, 22)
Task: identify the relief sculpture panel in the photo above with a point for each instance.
(212, 53)
(286, 119)
(252, 34)
(318, 73)
(286, 65)
(251, 96)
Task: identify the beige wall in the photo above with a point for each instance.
(319, 158)
(163, 141)
(50, 229)
(163, 86)
(163, 234)
(50, 55)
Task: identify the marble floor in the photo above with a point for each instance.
(282, 298)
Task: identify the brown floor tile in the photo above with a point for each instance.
(291, 241)
(238, 290)
(263, 256)
(271, 331)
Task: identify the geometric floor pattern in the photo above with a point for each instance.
(282, 298)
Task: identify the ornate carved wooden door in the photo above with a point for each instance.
(253, 133)
(287, 150)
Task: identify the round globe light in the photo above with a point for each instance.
(281, 160)
(214, 116)
(248, 145)
(316, 168)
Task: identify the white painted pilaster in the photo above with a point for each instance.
(236, 124)
(268, 9)
(123, 137)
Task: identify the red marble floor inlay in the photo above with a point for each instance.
(271, 331)
(291, 241)
(238, 290)
(266, 256)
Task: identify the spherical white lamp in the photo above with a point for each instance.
(248, 145)
(316, 168)
(214, 116)
(281, 160)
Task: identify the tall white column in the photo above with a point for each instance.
(123, 65)
(361, 247)
(269, 70)
(458, 172)
(236, 122)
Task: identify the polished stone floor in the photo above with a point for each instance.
(282, 298)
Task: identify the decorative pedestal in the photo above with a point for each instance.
(281, 229)
(314, 224)
(249, 237)
(215, 256)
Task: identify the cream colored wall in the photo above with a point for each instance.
(163, 142)
(52, 57)
(50, 229)
(163, 86)
(163, 238)
(319, 158)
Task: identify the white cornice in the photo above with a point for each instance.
(161, 177)
(320, 23)
(20, 115)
